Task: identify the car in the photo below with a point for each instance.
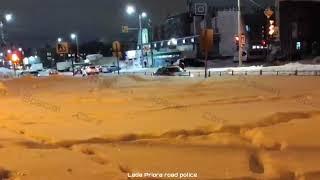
(29, 73)
(171, 71)
(92, 70)
(105, 69)
(109, 69)
(190, 62)
(52, 71)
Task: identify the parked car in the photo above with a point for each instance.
(91, 70)
(171, 71)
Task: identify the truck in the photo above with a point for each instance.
(64, 66)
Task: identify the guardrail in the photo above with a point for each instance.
(238, 73)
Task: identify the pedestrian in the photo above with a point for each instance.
(83, 72)
(182, 65)
(145, 64)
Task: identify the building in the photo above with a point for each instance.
(222, 17)
(299, 27)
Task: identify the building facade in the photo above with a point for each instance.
(299, 27)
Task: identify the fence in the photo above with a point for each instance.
(237, 73)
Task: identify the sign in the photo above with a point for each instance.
(268, 12)
(146, 49)
(276, 31)
(200, 9)
(116, 46)
(243, 40)
(116, 49)
(125, 29)
(206, 40)
(62, 48)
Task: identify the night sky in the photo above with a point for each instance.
(37, 22)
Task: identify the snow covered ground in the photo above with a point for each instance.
(118, 127)
(6, 73)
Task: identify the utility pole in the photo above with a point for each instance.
(2, 32)
(239, 33)
(141, 38)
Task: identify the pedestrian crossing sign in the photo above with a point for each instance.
(62, 48)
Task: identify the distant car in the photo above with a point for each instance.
(105, 69)
(52, 71)
(29, 73)
(190, 62)
(171, 71)
(92, 70)
(109, 69)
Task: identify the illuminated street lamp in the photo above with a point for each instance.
(59, 40)
(131, 10)
(4, 19)
(75, 38)
(144, 15)
(8, 17)
(15, 59)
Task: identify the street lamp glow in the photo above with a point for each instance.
(20, 49)
(130, 10)
(9, 51)
(60, 40)
(15, 58)
(144, 15)
(8, 17)
(73, 36)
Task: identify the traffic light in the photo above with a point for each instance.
(271, 27)
(237, 41)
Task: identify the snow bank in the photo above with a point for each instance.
(6, 73)
(3, 90)
(286, 67)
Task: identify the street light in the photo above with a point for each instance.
(131, 10)
(8, 17)
(75, 38)
(59, 40)
(4, 19)
(144, 15)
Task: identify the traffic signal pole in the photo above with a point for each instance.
(239, 33)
